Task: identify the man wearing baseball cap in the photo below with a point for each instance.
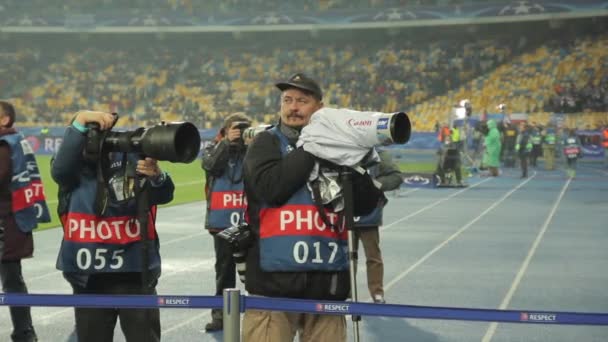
(291, 255)
(303, 83)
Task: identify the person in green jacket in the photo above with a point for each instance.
(491, 157)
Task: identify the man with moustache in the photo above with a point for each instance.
(276, 174)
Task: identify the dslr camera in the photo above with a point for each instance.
(241, 125)
(177, 142)
(239, 238)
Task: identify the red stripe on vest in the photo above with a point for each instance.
(296, 220)
(28, 195)
(88, 228)
(227, 200)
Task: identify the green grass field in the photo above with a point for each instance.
(189, 182)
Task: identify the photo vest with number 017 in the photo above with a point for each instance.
(226, 201)
(27, 193)
(293, 236)
(110, 242)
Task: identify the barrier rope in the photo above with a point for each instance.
(308, 306)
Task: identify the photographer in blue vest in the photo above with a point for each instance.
(222, 162)
(367, 227)
(101, 249)
(22, 207)
(294, 253)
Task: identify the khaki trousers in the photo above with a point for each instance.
(276, 326)
(370, 238)
(549, 156)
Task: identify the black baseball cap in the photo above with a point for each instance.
(302, 82)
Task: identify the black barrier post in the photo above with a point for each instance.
(347, 187)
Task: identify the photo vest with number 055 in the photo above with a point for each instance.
(226, 201)
(110, 242)
(28, 203)
(293, 236)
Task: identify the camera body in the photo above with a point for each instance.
(239, 237)
(241, 125)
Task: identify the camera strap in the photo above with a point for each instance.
(102, 193)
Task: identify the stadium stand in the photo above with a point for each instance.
(201, 6)
(202, 77)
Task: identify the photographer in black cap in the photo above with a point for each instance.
(293, 253)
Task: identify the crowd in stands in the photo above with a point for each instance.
(569, 98)
(149, 82)
(528, 84)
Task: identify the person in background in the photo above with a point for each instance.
(523, 147)
(22, 207)
(367, 227)
(572, 151)
(537, 139)
(222, 162)
(491, 157)
(549, 142)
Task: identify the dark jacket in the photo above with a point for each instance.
(390, 178)
(388, 173)
(215, 163)
(273, 179)
(78, 186)
(14, 244)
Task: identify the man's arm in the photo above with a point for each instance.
(5, 164)
(215, 158)
(272, 177)
(389, 174)
(161, 191)
(68, 161)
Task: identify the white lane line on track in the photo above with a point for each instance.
(524, 266)
(186, 322)
(429, 206)
(455, 235)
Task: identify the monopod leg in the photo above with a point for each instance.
(352, 251)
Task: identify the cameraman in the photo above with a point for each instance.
(94, 195)
(366, 227)
(222, 162)
(284, 222)
(18, 216)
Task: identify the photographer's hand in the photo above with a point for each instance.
(233, 134)
(104, 119)
(149, 168)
